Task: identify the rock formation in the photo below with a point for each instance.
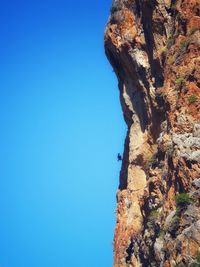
(154, 48)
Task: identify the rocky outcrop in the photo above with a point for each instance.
(154, 48)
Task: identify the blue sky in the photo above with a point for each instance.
(61, 129)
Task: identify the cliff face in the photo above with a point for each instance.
(154, 48)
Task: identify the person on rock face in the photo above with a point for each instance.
(119, 157)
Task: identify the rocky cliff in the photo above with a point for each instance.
(154, 48)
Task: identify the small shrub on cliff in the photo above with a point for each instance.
(184, 45)
(162, 233)
(183, 199)
(192, 99)
(170, 42)
(179, 16)
(153, 216)
(180, 82)
(174, 225)
(196, 262)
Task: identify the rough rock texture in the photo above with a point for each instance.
(154, 48)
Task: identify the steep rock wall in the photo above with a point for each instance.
(154, 48)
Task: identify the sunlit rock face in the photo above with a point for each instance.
(154, 49)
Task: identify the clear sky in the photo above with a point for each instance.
(61, 130)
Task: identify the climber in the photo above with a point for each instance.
(119, 157)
